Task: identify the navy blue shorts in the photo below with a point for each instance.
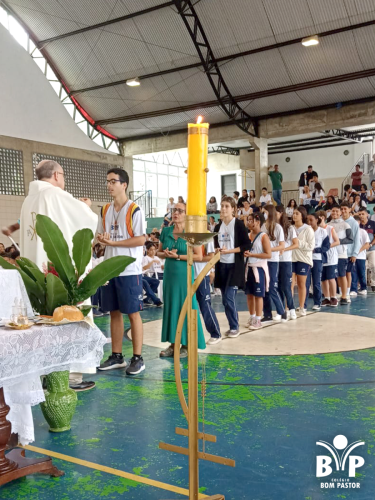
(254, 288)
(300, 268)
(124, 293)
(342, 268)
(351, 264)
(329, 272)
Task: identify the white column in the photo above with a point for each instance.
(261, 163)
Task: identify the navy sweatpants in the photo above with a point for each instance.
(203, 295)
(316, 274)
(273, 293)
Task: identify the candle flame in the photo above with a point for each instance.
(199, 119)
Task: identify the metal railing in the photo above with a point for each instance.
(290, 194)
(144, 200)
(348, 178)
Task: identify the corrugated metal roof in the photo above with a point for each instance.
(256, 72)
(335, 55)
(160, 41)
(339, 92)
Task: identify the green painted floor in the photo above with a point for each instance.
(266, 411)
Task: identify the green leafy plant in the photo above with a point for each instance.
(64, 286)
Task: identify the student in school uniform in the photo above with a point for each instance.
(151, 266)
(122, 229)
(369, 227)
(322, 245)
(232, 240)
(257, 278)
(252, 199)
(244, 212)
(302, 256)
(277, 240)
(285, 261)
(360, 263)
(203, 295)
(290, 208)
(344, 233)
(329, 272)
(352, 249)
(265, 199)
(371, 193)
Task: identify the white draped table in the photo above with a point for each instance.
(11, 288)
(25, 355)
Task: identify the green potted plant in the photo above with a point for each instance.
(46, 292)
(63, 286)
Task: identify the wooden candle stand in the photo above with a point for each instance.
(14, 464)
(191, 412)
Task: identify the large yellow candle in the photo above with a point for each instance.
(197, 164)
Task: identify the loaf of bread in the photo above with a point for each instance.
(70, 313)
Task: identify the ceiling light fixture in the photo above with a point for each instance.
(133, 82)
(310, 40)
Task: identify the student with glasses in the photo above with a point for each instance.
(173, 249)
(122, 229)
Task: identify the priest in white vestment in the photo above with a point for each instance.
(47, 197)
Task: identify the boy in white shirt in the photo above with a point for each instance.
(245, 211)
(265, 199)
(122, 229)
(151, 265)
(360, 263)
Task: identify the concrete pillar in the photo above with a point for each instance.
(128, 166)
(261, 163)
(366, 159)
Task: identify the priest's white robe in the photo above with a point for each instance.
(67, 212)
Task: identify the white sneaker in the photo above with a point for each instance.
(353, 294)
(293, 314)
(302, 312)
(348, 298)
(217, 291)
(316, 308)
(214, 340)
(233, 334)
(362, 292)
(256, 325)
(250, 322)
(277, 317)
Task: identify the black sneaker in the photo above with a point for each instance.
(83, 386)
(284, 317)
(344, 301)
(136, 366)
(159, 304)
(373, 288)
(113, 362)
(266, 320)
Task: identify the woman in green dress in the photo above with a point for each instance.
(174, 250)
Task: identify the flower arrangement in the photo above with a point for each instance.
(62, 281)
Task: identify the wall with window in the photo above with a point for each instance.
(163, 174)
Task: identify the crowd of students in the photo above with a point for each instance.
(268, 254)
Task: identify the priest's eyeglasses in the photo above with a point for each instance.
(178, 211)
(112, 182)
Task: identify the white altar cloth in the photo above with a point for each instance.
(11, 288)
(25, 355)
